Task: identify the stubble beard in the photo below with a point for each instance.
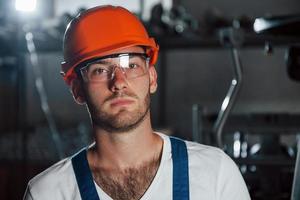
(124, 120)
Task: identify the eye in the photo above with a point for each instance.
(99, 71)
(133, 65)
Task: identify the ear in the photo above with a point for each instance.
(153, 79)
(77, 91)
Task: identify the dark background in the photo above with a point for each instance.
(194, 68)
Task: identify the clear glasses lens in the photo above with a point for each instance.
(132, 65)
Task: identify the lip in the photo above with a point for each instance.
(121, 102)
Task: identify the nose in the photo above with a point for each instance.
(118, 80)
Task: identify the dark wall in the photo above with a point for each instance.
(203, 77)
(235, 8)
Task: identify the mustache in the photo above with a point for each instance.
(120, 95)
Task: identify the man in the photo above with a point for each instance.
(109, 65)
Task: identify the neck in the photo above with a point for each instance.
(127, 149)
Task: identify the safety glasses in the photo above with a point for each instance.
(103, 69)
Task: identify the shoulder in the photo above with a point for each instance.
(54, 173)
(217, 169)
(205, 151)
(197, 151)
(57, 178)
(209, 157)
(202, 156)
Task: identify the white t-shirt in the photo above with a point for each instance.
(212, 176)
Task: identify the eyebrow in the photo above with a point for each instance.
(103, 61)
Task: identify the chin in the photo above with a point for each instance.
(123, 121)
(127, 118)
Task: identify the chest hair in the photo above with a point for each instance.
(128, 184)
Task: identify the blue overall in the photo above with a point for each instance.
(180, 173)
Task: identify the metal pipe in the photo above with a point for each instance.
(39, 84)
(230, 97)
(142, 9)
(296, 181)
(197, 123)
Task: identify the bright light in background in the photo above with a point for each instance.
(261, 24)
(25, 5)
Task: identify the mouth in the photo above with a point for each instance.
(121, 102)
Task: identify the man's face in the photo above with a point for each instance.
(120, 104)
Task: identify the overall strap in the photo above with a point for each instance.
(84, 177)
(180, 169)
(88, 190)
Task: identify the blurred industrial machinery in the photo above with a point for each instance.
(39, 125)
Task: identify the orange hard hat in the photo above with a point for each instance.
(98, 31)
